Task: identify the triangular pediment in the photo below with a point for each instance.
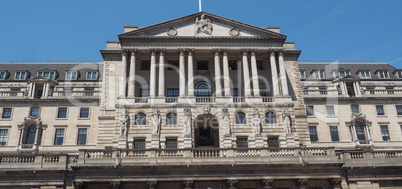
(202, 24)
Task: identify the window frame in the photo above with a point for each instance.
(3, 138)
(52, 74)
(357, 107)
(302, 74)
(398, 109)
(140, 141)
(3, 75)
(58, 113)
(169, 120)
(78, 136)
(270, 117)
(57, 136)
(318, 74)
(383, 74)
(81, 112)
(276, 141)
(71, 75)
(240, 120)
(90, 75)
(330, 109)
(385, 133)
(19, 73)
(143, 121)
(172, 144)
(377, 107)
(240, 141)
(333, 130)
(363, 76)
(310, 111)
(3, 111)
(34, 108)
(312, 130)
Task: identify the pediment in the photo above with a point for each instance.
(202, 24)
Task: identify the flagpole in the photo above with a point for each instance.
(199, 5)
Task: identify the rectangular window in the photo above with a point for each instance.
(2, 75)
(62, 113)
(319, 74)
(3, 137)
(385, 133)
(171, 143)
(173, 64)
(380, 109)
(139, 143)
(84, 113)
(172, 92)
(234, 92)
(383, 74)
(232, 64)
(242, 142)
(259, 65)
(59, 137)
(355, 109)
(6, 113)
(144, 92)
(71, 75)
(313, 133)
(303, 74)
(145, 65)
(35, 111)
(360, 131)
(92, 75)
(399, 74)
(310, 110)
(20, 75)
(202, 65)
(82, 136)
(399, 109)
(330, 111)
(47, 74)
(334, 133)
(365, 74)
(273, 142)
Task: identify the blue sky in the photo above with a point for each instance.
(345, 30)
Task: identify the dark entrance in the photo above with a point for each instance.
(206, 128)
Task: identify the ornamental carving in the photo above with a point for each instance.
(172, 32)
(232, 183)
(302, 182)
(234, 32)
(203, 25)
(115, 184)
(336, 181)
(78, 185)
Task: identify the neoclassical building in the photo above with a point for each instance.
(200, 101)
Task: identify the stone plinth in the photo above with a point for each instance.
(155, 142)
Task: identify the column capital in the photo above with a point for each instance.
(125, 51)
(276, 49)
(267, 182)
(134, 50)
(152, 184)
(336, 181)
(248, 50)
(188, 183)
(115, 184)
(157, 49)
(190, 49)
(253, 53)
(182, 50)
(232, 183)
(302, 182)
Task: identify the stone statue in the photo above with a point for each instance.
(156, 122)
(256, 122)
(225, 124)
(187, 122)
(286, 121)
(124, 122)
(203, 25)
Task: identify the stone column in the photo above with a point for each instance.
(354, 134)
(358, 89)
(30, 86)
(246, 75)
(161, 83)
(152, 79)
(355, 88)
(282, 71)
(254, 71)
(45, 90)
(218, 86)
(123, 76)
(131, 84)
(190, 74)
(274, 73)
(33, 89)
(240, 78)
(226, 77)
(182, 75)
(342, 86)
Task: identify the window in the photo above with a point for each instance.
(313, 133)
(364, 74)
(259, 65)
(172, 92)
(3, 137)
(84, 113)
(385, 133)
(82, 136)
(270, 117)
(171, 118)
(383, 74)
(139, 143)
(202, 65)
(171, 143)
(240, 118)
(70, 75)
(360, 131)
(242, 142)
(2, 75)
(92, 75)
(399, 109)
(6, 113)
(380, 109)
(341, 73)
(173, 64)
(145, 65)
(273, 142)
(232, 64)
(318, 74)
(47, 74)
(62, 113)
(302, 74)
(310, 110)
(31, 135)
(234, 92)
(59, 137)
(203, 89)
(144, 93)
(398, 74)
(20, 75)
(330, 111)
(355, 109)
(334, 133)
(34, 112)
(140, 119)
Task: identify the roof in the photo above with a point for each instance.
(60, 68)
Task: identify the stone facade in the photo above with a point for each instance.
(200, 101)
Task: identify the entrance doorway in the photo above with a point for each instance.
(206, 131)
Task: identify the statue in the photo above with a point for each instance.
(286, 121)
(156, 122)
(225, 124)
(203, 25)
(256, 121)
(124, 122)
(187, 122)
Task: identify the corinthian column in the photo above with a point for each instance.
(218, 86)
(246, 75)
(284, 81)
(254, 71)
(190, 74)
(152, 79)
(161, 83)
(226, 77)
(182, 76)
(274, 73)
(131, 82)
(123, 76)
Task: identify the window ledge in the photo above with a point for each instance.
(331, 116)
(84, 118)
(6, 119)
(63, 118)
(384, 116)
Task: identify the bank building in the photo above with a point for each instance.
(200, 102)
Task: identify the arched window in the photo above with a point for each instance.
(34, 112)
(31, 134)
(202, 89)
(270, 117)
(240, 118)
(360, 131)
(171, 118)
(140, 119)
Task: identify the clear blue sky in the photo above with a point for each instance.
(323, 29)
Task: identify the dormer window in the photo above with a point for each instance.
(364, 74)
(92, 75)
(20, 75)
(383, 74)
(47, 74)
(2, 75)
(71, 75)
(318, 74)
(341, 73)
(398, 74)
(302, 74)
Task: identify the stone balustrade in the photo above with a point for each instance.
(383, 92)
(12, 94)
(321, 92)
